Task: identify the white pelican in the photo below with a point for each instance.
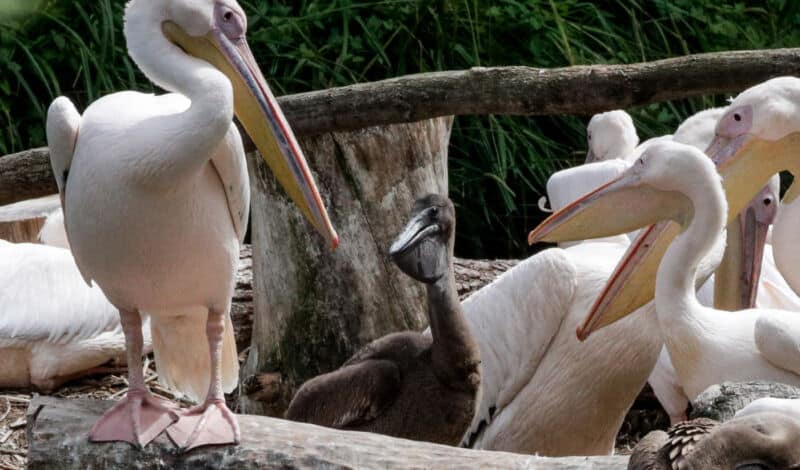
(707, 346)
(156, 199)
(53, 327)
(762, 148)
(610, 135)
(538, 396)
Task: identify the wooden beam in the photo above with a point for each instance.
(58, 428)
(495, 90)
(579, 90)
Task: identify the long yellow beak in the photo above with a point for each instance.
(745, 165)
(262, 118)
(736, 278)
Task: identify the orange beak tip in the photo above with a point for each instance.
(335, 242)
(581, 333)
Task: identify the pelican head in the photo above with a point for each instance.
(424, 248)
(610, 135)
(215, 31)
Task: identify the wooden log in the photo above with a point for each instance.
(582, 90)
(518, 90)
(57, 435)
(20, 222)
(26, 175)
(315, 307)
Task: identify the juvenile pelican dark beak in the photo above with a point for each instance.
(262, 118)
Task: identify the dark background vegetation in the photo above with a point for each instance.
(498, 164)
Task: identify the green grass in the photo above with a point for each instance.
(498, 164)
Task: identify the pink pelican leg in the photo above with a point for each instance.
(212, 422)
(139, 417)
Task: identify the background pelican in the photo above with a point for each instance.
(156, 200)
(53, 327)
(610, 135)
(706, 347)
(538, 396)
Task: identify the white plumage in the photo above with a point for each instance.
(156, 197)
(538, 396)
(53, 327)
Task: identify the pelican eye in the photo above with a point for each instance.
(767, 201)
(737, 117)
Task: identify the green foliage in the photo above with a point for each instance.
(498, 163)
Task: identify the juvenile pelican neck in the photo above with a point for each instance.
(454, 352)
(675, 280)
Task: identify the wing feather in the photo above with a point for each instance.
(777, 337)
(514, 319)
(44, 297)
(350, 396)
(231, 166)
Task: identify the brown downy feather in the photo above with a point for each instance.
(182, 354)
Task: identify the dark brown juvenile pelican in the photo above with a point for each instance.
(406, 384)
(762, 441)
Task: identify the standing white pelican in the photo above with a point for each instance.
(156, 201)
(707, 346)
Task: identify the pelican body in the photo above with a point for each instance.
(156, 202)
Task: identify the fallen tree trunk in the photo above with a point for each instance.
(57, 435)
(517, 90)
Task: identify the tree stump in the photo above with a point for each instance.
(315, 307)
(58, 429)
(20, 222)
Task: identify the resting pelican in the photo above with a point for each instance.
(407, 384)
(156, 199)
(53, 327)
(610, 135)
(707, 346)
(537, 395)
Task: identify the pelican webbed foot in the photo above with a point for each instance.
(211, 423)
(138, 419)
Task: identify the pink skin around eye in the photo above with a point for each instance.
(229, 22)
(766, 210)
(737, 121)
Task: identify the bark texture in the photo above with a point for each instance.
(58, 428)
(26, 175)
(518, 90)
(20, 222)
(315, 307)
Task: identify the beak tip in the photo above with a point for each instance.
(533, 237)
(334, 241)
(581, 333)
